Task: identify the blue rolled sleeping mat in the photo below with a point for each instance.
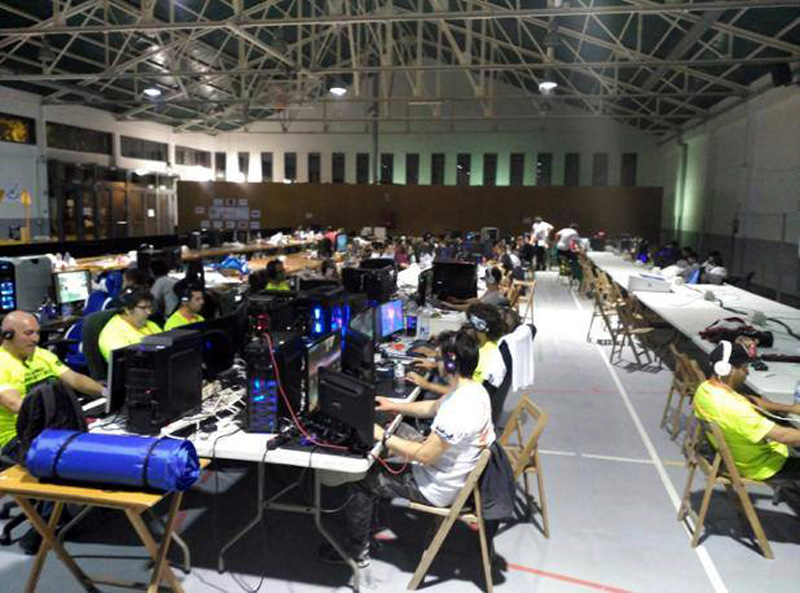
(140, 462)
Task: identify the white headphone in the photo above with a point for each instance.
(723, 368)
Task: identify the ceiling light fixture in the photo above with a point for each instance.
(547, 82)
(152, 92)
(337, 88)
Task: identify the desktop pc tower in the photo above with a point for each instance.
(163, 379)
(321, 310)
(265, 407)
(268, 313)
(25, 282)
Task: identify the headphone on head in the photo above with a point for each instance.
(450, 356)
(479, 324)
(126, 297)
(8, 334)
(723, 367)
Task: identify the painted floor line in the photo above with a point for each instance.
(672, 463)
(702, 554)
(565, 578)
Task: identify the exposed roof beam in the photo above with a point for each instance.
(377, 17)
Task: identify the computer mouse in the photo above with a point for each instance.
(759, 365)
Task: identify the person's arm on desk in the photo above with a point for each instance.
(425, 453)
(11, 400)
(785, 435)
(422, 409)
(81, 383)
(775, 407)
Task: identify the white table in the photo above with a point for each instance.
(688, 311)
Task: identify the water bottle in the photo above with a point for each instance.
(797, 393)
(400, 376)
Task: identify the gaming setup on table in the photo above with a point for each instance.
(308, 362)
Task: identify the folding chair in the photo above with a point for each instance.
(719, 468)
(448, 516)
(530, 290)
(588, 278)
(604, 306)
(636, 334)
(523, 453)
(686, 378)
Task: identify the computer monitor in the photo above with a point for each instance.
(324, 353)
(455, 279)
(341, 243)
(358, 356)
(115, 381)
(364, 322)
(389, 319)
(351, 403)
(72, 287)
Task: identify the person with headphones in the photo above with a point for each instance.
(191, 303)
(130, 325)
(440, 463)
(760, 447)
(23, 364)
(276, 276)
(493, 295)
(486, 324)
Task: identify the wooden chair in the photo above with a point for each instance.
(448, 516)
(604, 306)
(719, 469)
(588, 278)
(527, 302)
(634, 334)
(523, 453)
(686, 378)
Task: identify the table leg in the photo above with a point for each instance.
(253, 522)
(166, 540)
(152, 548)
(49, 541)
(327, 535)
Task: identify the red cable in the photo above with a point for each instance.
(388, 468)
(296, 421)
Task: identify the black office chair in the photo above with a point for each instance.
(93, 324)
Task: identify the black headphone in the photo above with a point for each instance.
(126, 297)
(450, 356)
(8, 334)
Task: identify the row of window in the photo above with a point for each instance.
(543, 171)
(84, 140)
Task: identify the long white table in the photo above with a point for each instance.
(687, 309)
(617, 267)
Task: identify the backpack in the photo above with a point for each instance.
(50, 404)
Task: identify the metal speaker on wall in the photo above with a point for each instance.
(781, 74)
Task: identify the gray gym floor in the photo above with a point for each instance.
(613, 480)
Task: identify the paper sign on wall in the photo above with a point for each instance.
(242, 224)
(151, 213)
(230, 224)
(254, 225)
(214, 213)
(255, 214)
(219, 202)
(230, 201)
(199, 209)
(244, 202)
(204, 224)
(216, 224)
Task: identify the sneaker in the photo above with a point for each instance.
(30, 542)
(328, 554)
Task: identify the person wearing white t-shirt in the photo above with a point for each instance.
(564, 239)
(439, 463)
(540, 237)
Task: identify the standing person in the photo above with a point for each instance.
(564, 240)
(540, 238)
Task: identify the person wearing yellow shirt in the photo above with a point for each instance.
(276, 276)
(129, 326)
(22, 366)
(191, 303)
(759, 446)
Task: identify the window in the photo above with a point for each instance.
(437, 168)
(77, 139)
(220, 164)
(362, 167)
(314, 167)
(290, 166)
(192, 157)
(490, 168)
(463, 166)
(544, 169)
(137, 148)
(266, 166)
(244, 164)
(17, 129)
(600, 169)
(337, 166)
(412, 169)
(517, 165)
(572, 169)
(628, 172)
(387, 168)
